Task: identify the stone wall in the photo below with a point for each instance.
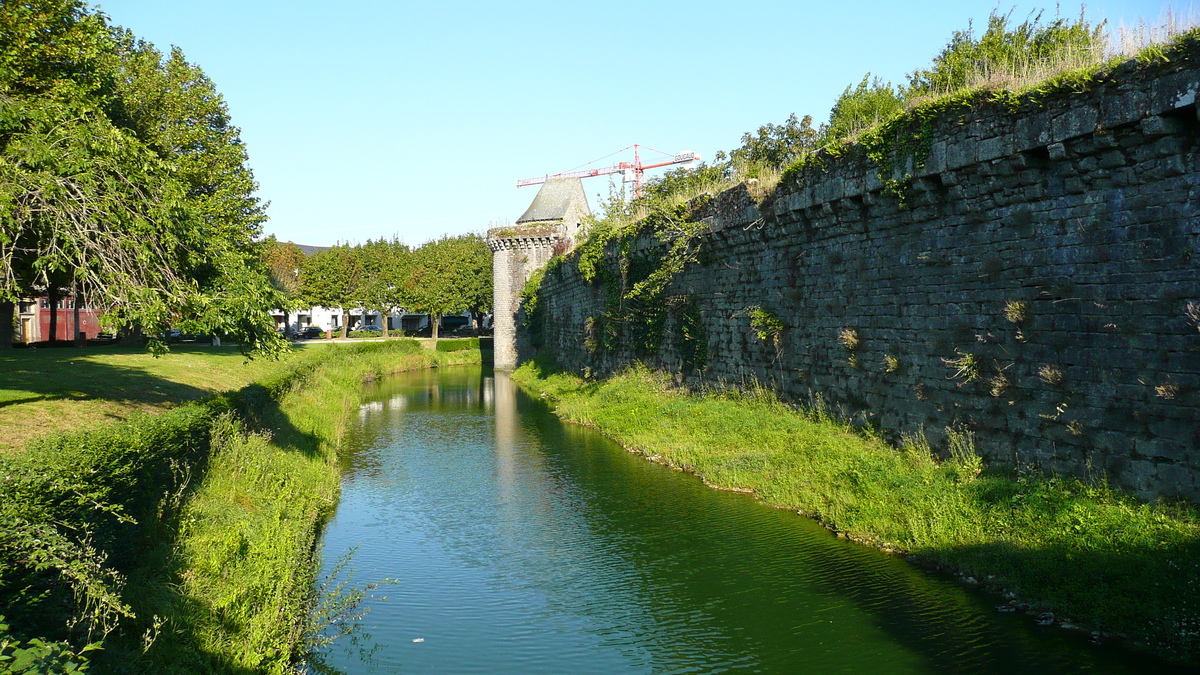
(1031, 282)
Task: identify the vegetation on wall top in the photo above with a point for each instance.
(1009, 62)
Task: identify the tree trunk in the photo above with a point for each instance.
(345, 321)
(8, 312)
(77, 337)
(437, 318)
(383, 322)
(53, 297)
(287, 325)
(131, 336)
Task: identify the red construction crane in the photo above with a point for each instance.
(632, 172)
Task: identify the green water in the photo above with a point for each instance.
(524, 545)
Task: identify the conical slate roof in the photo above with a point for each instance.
(555, 199)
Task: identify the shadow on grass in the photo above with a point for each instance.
(1149, 593)
(64, 374)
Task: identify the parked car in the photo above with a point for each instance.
(370, 329)
(312, 332)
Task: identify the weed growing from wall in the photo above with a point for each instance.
(966, 367)
(591, 331)
(1192, 312)
(1168, 391)
(533, 321)
(767, 325)
(999, 384)
(1016, 311)
(849, 339)
(1051, 374)
(690, 340)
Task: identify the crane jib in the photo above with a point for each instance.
(636, 169)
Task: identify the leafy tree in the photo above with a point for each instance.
(471, 274)
(858, 108)
(283, 261)
(121, 175)
(777, 145)
(331, 279)
(384, 265)
(430, 287)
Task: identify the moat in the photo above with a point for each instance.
(522, 544)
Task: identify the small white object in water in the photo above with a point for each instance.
(418, 639)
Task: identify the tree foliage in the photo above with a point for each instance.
(451, 274)
(470, 273)
(121, 175)
(429, 287)
(861, 107)
(777, 144)
(331, 279)
(383, 264)
(283, 261)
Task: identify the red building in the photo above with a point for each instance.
(33, 320)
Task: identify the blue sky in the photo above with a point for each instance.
(374, 118)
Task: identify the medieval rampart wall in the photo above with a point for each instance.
(1031, 283)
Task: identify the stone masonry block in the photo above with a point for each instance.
(1124, 109)
(936, 161)
(961, 154)
(1031, 132)
(1074, 122)
(1174, 91)
(1155, 125)
(994, 148)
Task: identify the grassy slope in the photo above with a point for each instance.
(220, 568)
(1079, 548)
(48, 390)
(246, 537)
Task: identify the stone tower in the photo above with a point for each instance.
(548, 226)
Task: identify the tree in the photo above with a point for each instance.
(121, 176)
(777, 145)
(331, 279)
(470, 270)
(283, 261)
(384, 264)
(429, 287)
(858, 108)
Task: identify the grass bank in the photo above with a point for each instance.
(184, 541)
(1095, 557)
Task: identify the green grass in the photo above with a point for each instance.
(204, 519)
(48, 390)
(1079, 548)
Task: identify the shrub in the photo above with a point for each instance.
(861, 107)
(1029, 51)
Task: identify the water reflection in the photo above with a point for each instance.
(525, 545)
